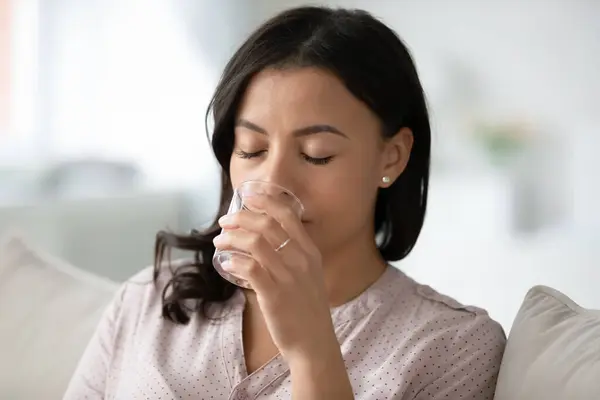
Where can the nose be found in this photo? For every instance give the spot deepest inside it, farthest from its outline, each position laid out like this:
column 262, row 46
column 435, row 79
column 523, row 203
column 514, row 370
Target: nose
column 280, row 174
column 278, row 170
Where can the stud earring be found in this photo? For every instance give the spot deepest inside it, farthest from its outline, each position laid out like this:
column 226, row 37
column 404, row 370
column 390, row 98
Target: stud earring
column 386, row 179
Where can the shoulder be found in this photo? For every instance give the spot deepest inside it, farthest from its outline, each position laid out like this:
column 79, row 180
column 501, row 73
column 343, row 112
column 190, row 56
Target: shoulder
column 421, row 341
column 456, row 335
column 140, row 296
column 462, row 328
column 462, row 323
column 466, row 344
column 437, row 322
column 427, row 306
column 438, row 345
column 142, row 287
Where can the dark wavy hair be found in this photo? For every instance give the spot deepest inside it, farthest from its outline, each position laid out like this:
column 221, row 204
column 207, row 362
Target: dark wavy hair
column 376, row 67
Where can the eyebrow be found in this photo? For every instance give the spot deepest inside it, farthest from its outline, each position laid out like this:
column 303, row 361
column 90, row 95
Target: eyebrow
column 305, row 131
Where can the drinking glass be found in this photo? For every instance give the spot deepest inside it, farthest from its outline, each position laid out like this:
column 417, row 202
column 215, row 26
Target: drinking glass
column 246, row 189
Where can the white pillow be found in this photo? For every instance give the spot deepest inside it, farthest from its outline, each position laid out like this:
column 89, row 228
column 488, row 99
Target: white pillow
column 553, row 350
column 48, row 312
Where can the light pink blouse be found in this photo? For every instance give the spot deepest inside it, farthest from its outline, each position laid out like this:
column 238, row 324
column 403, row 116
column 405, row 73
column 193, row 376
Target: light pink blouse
column 399, row 339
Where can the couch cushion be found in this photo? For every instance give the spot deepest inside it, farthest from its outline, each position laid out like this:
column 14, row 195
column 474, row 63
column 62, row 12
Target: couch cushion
column 553, row 350
column 48, row 312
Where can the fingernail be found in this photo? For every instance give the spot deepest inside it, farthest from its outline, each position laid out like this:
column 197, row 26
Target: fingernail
column 226, row 265
column 218, row 238
column 225, row 219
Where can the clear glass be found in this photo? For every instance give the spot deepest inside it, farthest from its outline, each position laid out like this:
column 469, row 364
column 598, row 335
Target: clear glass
column 252, row 188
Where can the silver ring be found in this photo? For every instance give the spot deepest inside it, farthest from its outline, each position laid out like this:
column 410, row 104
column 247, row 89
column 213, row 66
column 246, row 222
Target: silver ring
column 282, row 245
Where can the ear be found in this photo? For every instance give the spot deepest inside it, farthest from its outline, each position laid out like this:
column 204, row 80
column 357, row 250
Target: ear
column 395, row 156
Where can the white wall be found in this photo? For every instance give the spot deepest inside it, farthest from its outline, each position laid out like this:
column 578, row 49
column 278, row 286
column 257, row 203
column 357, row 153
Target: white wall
column 118, row 79
column 538, row 56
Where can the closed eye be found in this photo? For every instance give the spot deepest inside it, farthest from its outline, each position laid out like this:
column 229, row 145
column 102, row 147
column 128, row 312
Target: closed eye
column 244, row 154
column 317, row 161
column 313, row 160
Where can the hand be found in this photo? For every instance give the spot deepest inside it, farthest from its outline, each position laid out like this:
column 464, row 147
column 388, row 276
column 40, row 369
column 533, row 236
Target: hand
column 289, row 283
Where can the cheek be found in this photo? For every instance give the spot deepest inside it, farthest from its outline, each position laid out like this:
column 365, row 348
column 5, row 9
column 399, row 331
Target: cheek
column 235, row 172
column 344, row 195
column 239, row 170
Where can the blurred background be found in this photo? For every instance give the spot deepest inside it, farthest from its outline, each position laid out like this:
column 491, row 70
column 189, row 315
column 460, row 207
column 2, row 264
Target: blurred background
column 103, row 142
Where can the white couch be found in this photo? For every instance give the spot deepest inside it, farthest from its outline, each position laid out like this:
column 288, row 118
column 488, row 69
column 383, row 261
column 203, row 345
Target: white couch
column 48, row 312
column 49, row 309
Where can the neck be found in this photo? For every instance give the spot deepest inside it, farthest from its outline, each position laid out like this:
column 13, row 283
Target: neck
column 351, row 269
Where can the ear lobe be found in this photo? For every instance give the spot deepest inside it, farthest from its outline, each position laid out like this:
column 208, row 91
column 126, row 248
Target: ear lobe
column 398, row 149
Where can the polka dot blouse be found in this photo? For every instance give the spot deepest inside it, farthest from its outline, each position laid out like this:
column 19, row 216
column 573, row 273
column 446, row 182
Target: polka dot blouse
column 399, row 339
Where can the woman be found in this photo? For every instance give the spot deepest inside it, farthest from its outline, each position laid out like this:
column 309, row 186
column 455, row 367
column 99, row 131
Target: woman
column 327, row 103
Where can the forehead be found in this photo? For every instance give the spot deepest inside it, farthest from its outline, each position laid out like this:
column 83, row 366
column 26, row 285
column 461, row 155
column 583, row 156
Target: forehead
column 300, row 96
column 296, row 83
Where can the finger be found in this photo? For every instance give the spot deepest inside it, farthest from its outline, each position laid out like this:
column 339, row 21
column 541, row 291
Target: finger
column 251, row 243
column 257, row 247
column 250, row 270
column 285, row 215
column 263, row 224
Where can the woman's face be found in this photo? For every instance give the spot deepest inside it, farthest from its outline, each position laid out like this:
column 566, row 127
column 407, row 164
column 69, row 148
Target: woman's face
column 303, row 130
